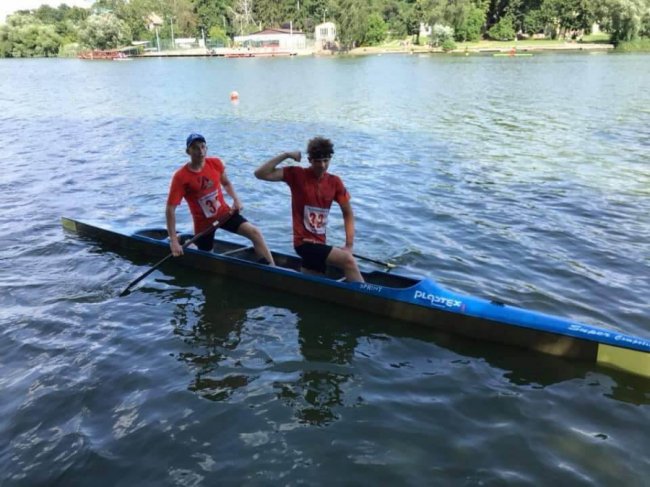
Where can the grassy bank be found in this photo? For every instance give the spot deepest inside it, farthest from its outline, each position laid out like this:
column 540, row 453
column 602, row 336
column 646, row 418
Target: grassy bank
column 640, row 45
column 403, row 46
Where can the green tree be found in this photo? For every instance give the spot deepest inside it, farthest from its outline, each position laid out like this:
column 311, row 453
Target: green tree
column 351, row 17
column 375, row 30
column 105, row 31
column 504, row 30
column 467, row 19
column 34, row 40
column 218, row 36
column 626, row 20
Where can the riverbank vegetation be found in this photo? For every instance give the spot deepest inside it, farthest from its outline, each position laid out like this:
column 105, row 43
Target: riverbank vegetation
column 61, row 31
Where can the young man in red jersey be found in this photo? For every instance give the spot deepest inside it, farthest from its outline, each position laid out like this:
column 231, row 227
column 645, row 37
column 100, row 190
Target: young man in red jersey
column 200, row 182
column 313, row 190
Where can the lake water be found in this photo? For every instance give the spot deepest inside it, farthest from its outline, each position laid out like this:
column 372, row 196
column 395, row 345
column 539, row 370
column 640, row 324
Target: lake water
column 522, row 179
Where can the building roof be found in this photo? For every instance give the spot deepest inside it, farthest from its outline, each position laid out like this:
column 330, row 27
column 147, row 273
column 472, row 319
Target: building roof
column 266, row 32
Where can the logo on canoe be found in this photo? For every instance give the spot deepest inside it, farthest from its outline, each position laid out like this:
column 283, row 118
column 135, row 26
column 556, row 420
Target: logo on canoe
column 436, row 300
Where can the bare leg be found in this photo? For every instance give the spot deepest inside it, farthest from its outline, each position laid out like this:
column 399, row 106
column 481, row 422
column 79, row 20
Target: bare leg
column 346, row 261
column 253, row 234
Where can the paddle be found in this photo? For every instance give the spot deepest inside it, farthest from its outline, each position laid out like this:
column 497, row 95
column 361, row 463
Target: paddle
column 388, row 265
column 214, row 225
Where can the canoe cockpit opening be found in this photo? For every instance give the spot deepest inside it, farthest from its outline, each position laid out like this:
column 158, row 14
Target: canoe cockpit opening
column 389, row 280
column 155, row 233
column 243, row 252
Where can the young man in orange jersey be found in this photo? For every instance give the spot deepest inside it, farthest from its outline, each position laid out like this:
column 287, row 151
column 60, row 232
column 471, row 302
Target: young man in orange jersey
column 199, row 181
column 313, row 190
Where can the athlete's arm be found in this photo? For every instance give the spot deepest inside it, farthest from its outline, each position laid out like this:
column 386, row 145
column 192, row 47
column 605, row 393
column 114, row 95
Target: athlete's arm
column 348, row 222
column 269, row 171
column 230, row 190
column 170, row 217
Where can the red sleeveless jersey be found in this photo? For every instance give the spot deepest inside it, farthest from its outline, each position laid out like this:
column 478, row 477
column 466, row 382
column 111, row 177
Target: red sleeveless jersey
column 311, row 200
column 202, row 191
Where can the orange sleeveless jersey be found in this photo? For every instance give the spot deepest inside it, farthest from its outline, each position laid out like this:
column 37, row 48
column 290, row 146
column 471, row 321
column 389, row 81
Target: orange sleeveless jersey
column 202, row 191
column 311, row 200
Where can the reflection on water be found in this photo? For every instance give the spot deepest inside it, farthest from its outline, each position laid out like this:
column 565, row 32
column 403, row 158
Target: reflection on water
column 291, row 348
column 292, row 351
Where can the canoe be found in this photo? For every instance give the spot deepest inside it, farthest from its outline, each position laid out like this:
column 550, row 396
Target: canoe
column 417, row 300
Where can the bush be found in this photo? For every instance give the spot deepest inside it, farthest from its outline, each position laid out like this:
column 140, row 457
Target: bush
column 448, row 45
column 638, row 45
column 69, row 50
column 440, row 34
column 375, row 31
column 503, row 30
column 470, row 28
column 218, row 36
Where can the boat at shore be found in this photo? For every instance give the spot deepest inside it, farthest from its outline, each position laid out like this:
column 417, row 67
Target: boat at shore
column 123, row 54
column 406, row 298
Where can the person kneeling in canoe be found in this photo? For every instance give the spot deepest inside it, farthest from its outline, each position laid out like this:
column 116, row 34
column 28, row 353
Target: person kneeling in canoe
column 313, row 190
column 199, row 181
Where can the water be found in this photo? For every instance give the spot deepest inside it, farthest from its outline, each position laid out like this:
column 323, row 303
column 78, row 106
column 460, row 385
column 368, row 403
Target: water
column 526, row 180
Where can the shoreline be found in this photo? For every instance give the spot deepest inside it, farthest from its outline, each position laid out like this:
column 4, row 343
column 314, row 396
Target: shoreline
column 520, row 48
column 376, row 50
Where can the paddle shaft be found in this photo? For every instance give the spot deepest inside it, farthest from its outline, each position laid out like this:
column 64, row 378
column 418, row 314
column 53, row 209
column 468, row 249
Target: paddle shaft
column 214, row 225
column 388, row 265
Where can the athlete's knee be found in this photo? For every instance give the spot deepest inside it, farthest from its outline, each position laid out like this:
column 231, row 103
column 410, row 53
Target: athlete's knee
column 348, row 261
column 254, row 233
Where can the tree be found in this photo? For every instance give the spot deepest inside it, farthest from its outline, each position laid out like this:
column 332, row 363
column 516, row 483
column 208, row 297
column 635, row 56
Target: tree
column 441, row 34
column 626, row 20
column 352, row 19
column 375, row 30
column 503, row 30
column 105, row 31
column 33, row 40
column 467, row 19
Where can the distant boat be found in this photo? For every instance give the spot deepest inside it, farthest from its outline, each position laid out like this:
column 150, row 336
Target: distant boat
column 122, row 54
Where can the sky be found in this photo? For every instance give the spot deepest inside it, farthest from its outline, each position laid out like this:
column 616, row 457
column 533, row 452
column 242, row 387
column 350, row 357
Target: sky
column 10, row 6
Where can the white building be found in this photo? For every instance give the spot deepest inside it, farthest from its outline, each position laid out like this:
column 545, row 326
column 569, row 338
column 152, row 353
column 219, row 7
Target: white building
column 325, row 34
column 286, row 39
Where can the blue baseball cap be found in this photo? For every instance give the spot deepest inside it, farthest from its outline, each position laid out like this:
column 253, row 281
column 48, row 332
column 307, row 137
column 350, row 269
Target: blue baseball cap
column 193, row 137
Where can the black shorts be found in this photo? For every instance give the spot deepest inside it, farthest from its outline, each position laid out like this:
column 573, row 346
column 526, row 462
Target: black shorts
column 232, row 224
column 314, row 256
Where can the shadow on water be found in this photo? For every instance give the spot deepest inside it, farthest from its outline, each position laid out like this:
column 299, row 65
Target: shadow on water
column 302, row 351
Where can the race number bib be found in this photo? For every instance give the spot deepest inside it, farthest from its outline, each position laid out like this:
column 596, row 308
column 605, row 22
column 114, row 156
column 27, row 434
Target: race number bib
column 209, row 204
column 316, row 219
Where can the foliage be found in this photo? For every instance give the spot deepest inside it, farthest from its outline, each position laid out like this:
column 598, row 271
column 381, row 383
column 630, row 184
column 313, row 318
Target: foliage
column 638, row 45
column 351, row 17
column 104, row 31
column 376, row 30
column 627, row 19
column 504, row 30
column 448, row 45
column 25, row 36
column 441, row 34
column 69, row 50
column 467, row 17
column 218, row 35
column 46, row 30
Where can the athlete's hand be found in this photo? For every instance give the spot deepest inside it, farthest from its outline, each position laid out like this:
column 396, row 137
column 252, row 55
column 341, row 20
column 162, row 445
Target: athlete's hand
column 237, row 206
column 295, row 155
column 176, row 248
